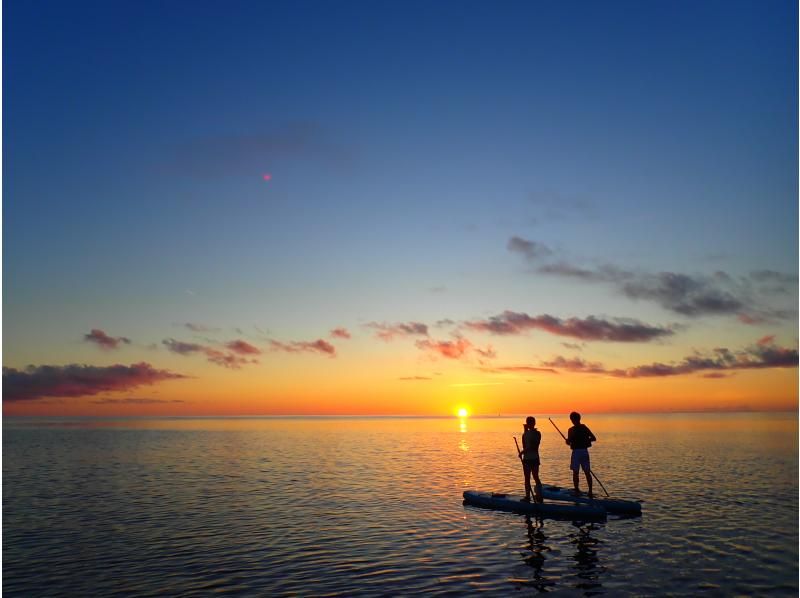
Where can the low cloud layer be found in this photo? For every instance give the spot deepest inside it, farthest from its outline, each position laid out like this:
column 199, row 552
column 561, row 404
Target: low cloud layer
column 588, row 329
column 38, row 382
column 318, row 346
column 242, row 348
column 341, row 333
column 102, row 340
column 389, row 332
column 234, row 358
column 455, row 349
column 134, row 401
column 749, row 297
column 762, row 355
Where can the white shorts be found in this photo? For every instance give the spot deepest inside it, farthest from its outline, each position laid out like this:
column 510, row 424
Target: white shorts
column 580, row 458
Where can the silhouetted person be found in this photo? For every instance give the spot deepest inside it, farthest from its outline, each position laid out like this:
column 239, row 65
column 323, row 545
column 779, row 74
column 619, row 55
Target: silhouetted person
column 531, row 438
column 580, row 438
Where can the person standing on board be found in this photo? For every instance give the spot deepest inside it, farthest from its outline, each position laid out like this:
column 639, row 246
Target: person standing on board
column 531, row 438
column 580, row 438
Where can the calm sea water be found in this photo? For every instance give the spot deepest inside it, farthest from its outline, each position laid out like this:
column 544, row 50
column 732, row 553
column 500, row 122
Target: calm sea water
column 373, row 506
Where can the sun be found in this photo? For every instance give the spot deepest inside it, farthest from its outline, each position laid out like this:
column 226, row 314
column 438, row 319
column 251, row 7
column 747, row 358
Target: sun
column 462, row 412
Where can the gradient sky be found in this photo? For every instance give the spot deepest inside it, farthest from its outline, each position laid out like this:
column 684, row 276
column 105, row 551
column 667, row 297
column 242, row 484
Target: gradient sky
column 516, row 207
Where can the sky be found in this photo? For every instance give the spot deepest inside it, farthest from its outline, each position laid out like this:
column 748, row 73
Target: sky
column 399, row 207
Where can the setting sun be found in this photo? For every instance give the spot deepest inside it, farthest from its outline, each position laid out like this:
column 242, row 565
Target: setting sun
column 462, row 412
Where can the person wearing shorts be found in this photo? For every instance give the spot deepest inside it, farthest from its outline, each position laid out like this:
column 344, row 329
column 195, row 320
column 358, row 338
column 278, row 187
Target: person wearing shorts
column 580, row 438
column 531, row 438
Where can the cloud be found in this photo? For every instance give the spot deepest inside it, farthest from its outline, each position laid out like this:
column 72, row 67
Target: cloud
column 410, row 378
column 758, row 356
column 134, row 401
column 226, row 360
column 340, row 333
column 104, row 341
column 624, row 330
column 317, row 346
column 388, row 332
column 527, row 369
column 243, row 348
column 687, row 295
column 232, row 360
column 182, row 348
column 749, row 297
column 246, row 155
column 74, row 380
column 200, row 327
column 575, row 364
column 530, row 249
column 574, row 346
column 454, row 349
column 487, row 353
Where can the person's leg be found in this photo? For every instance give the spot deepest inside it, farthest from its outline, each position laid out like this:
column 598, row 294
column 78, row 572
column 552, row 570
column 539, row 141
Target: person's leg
column 587, row 471
column 527, row 469
column 538, row 483
column 575, row 469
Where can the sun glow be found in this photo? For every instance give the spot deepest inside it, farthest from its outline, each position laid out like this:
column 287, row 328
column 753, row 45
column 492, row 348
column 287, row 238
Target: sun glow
column 462, row 412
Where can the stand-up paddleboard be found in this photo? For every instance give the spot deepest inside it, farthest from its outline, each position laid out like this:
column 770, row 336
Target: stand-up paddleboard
column 515, row 504
column 612, row 505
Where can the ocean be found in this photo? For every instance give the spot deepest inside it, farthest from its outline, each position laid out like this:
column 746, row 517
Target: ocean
column 352, row 506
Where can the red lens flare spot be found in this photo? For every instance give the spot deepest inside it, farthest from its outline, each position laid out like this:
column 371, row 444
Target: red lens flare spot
column 266, row 176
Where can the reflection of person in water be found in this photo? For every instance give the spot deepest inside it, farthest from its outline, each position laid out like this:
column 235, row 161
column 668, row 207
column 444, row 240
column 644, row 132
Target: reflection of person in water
column 537, row 558
column 586, row 559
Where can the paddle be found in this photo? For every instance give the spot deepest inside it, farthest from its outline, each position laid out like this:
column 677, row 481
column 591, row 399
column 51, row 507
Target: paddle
column 590, row 470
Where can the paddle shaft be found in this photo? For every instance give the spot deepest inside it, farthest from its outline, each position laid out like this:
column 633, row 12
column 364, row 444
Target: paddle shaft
column 519, row 452
column 590, row 470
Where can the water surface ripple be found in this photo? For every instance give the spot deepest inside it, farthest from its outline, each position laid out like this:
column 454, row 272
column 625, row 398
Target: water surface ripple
column 372, row 506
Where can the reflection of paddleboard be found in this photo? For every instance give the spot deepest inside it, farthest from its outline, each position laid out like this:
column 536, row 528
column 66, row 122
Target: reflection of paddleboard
column 612, row 505
column 515, row 504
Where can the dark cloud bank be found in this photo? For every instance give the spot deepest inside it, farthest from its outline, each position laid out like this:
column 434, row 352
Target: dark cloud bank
column 37, row 382
column 763, row 355
column 747, row 297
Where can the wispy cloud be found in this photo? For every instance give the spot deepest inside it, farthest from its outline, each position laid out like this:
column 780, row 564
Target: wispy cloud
column 529, row 249
column 749, row 297
column 102, row 340
column 233, row 359
column 525, row 369
column 227, row 360
column 194, row 327
column 758, row 356
column 389, row 332
column 624, row 330
column 242, row 347
column 342, row 333
column 74, row 380
column 134, row 401
column 412, row 378
column 318, row 346
column 182, row 348
column 246, row 155
column 455, row 349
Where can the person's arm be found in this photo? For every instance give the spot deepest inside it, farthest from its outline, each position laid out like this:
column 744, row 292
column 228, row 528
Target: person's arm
column 592, row 437
column 569, row 435
column 537, row 440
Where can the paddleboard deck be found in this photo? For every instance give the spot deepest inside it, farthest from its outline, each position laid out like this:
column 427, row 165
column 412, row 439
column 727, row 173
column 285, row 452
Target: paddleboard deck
column 612, row 505
column 515, row 504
